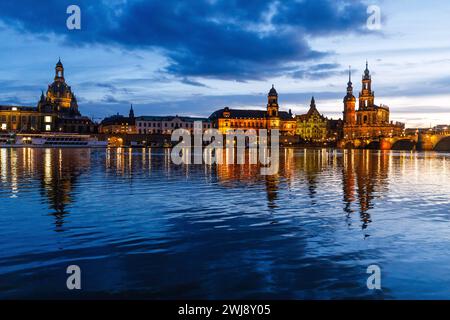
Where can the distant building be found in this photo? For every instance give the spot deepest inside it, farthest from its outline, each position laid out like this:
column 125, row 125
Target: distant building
column 442, row 128
column 24, row 119
column 56, row 111
column 119, row 124
column 166, row 124
column 370, row 120
column 229, row 119
column 312, row 126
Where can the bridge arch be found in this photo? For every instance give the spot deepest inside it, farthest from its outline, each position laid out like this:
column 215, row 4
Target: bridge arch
column 443, row 144
column 373, row 145
column 404, row 144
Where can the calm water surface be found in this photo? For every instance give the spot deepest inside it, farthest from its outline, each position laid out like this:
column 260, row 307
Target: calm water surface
column 141, row 227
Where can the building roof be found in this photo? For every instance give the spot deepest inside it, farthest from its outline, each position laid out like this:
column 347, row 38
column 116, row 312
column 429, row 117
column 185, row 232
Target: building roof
column 170, row 118
column 248, row 114
column 19, row 108
column 273, row 92
column 115, row 119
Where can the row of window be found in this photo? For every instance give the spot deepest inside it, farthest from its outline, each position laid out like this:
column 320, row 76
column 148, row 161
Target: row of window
column 24, row 119
column 172, row 125
column 245, row 124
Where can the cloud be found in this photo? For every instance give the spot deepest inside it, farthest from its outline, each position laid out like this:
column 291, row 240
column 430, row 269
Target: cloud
column 222, row 39
column 318, row 71
column 193, row 83
column 111, row 99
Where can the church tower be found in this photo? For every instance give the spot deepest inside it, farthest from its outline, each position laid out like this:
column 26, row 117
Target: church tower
column 366, row 96
column 349, row 102
column 59, row 94
column 59, row 71
column 272, row 109
column 272, row 104
column 131, row 115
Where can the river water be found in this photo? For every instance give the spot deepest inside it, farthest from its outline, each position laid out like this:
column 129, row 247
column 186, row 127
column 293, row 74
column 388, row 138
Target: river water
column 139, row 226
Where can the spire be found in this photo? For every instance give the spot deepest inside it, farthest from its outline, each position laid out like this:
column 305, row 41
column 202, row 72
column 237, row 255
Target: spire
column 349, row 84
column 367, row 72
column 131, row 114
column 312, row 108
column 349, row 74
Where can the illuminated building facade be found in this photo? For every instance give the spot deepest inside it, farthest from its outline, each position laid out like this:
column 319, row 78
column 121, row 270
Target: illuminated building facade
column 370, row 120
column 271, row 118
column 57, row 111
column 312, row 126
column 24, row 119
column 166, row 124
column 119, row 124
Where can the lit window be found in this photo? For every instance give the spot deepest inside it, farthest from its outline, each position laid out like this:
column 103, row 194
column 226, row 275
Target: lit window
column 48, row 127
column 48, row 119
column 3, row 126
column 14, row 109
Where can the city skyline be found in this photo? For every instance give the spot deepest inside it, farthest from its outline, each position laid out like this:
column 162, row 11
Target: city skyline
column 109, row 70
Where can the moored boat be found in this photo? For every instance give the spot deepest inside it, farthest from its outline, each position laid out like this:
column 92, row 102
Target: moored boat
column 52, row 140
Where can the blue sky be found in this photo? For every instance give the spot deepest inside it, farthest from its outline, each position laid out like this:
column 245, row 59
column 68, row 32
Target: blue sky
column 193, row 57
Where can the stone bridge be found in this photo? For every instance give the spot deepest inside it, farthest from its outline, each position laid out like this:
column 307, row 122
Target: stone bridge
column 421, row 141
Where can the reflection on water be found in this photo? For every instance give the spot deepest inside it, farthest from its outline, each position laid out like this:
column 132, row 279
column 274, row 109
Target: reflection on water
column 140, row 226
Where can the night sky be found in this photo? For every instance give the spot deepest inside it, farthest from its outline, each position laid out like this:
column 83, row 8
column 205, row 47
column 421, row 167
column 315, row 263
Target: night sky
column 193, row 57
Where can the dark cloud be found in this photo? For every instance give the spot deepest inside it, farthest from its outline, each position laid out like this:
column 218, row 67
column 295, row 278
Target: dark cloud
column 319, row 71
column 111, row 99
column 224, row 39
column 192, row 82
column 111, row 88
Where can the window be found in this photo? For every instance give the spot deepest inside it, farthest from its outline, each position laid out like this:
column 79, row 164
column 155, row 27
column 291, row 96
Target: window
column 13, row 118
column 48, row 119
column 48, row 127
column 4, row 127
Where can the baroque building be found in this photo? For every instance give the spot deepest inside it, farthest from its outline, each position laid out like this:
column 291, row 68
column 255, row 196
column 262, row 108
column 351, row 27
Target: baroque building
column 369, row 120
column 119, row 124
column 167, row 124
column 312, row 126
column 272, row 118
column 56, row 111
column 62, row 103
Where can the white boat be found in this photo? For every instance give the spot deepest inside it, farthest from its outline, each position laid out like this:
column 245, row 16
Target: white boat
column 7, row 139
column 53, row 140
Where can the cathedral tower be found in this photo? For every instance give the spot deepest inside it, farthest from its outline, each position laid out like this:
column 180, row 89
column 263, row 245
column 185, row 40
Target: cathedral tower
column 272, row 104
column 272, row 109
column 59, row 71
column 349, row 102
column 366, row 96
column 59, row 95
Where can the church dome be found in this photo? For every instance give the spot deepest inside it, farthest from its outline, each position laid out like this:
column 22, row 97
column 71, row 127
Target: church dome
column 273, row 92
column 59, row 89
